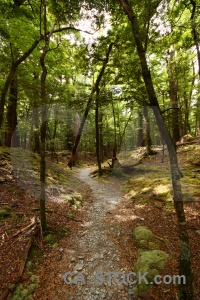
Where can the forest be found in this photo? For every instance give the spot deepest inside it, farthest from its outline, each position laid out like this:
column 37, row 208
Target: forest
column 99, row 149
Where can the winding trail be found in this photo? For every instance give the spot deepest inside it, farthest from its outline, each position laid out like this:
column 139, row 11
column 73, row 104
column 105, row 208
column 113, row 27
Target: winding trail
column 98, row 246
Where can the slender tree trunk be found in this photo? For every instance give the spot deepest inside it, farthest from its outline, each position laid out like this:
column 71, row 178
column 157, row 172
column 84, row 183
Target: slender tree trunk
column 148, row 141
column 43, row 140
column 124, row 130
column 36, row 132
column 52, row 141
column 195, row 33
column 44, row 122
column 94, row 90
column 185, row 290
column 12, row 137
column 140, row 133
column 196, row 42
column 97, row 132
column 101, row 147
column 173, row 94
column 114, row 156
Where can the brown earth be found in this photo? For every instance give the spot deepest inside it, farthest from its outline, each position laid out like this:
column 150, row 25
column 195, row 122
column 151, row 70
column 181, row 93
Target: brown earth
column 112, row 208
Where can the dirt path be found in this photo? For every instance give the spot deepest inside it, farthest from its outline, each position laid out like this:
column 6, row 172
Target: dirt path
column 98, row 247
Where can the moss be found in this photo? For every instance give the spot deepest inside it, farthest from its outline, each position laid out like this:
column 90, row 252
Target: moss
column 146, row 190
column 25, row 293
column 142, row 233
column 150, row 259
column 50, row 239
column 78, row 204
column 143, row 202
column 30, row 265
column 152, row 245
column 4, row 214
column 71, row 201
column 151, row 262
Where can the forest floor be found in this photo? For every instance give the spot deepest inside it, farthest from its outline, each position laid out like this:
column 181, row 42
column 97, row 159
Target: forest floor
column 90, row 225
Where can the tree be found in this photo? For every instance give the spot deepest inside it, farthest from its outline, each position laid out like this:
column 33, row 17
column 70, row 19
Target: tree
column 185, row 291
column 94, row 90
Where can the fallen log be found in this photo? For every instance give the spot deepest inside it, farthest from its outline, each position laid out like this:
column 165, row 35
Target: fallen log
column 33, row 223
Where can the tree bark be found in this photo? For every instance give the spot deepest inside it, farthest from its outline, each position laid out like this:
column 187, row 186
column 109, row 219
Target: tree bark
column 148, row 141
column 140, row 133
column 44, row 122
column 43, row 140
column 11, row 116
column 195, row 33
column 185, row 291
column 196, row 42
column 114, row 155
column 101, row 147
column 71, row 162
column 97, row 132
column 173, row 94
column 124, row 130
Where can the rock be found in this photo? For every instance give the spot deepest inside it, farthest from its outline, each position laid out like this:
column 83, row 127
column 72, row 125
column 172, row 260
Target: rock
column 78, row 267
column 72, row 259
column 142, row 233
column 81, row 257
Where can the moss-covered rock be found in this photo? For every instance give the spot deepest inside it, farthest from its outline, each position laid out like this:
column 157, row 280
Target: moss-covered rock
column 150, row 259
column 149, row 262
column 142, row 233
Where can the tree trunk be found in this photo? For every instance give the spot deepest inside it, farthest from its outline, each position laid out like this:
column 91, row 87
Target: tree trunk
column 185, row 290
column 195, row 33
column 97, row 132
column 124, row 130
column 196, row 42
column 148, row 141
column 114, row 155
column 173, row 94
column 94, row 90
column 43, row 140
column 12, row 137
column 44, row 122
column 101, row 147
column 140, row 133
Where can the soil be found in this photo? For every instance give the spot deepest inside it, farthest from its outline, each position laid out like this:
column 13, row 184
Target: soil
column 103, row 240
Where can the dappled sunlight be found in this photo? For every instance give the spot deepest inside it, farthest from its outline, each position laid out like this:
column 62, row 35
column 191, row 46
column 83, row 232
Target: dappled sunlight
column 125, row 218
column 161, row 189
